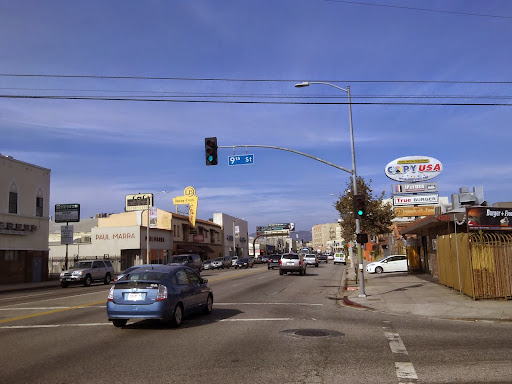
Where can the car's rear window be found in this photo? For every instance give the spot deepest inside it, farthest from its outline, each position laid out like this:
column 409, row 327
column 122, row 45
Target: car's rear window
column 291, row 257
column 179, row 259
column 143, row 276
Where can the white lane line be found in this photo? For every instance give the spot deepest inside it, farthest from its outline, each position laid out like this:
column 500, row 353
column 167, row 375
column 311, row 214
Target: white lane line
column 236, row 285
column 395, row 343
column 48, row 308
column 270, row 319
column 51, row 325
column 405, row 371
column 305, row 304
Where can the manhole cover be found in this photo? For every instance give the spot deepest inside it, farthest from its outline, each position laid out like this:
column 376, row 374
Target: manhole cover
column 312, row 333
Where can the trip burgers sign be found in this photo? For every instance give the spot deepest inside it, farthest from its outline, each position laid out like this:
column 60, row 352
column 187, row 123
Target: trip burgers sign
column 413, row 168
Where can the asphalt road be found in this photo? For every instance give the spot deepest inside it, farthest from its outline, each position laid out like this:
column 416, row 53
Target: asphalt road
column 264, row 328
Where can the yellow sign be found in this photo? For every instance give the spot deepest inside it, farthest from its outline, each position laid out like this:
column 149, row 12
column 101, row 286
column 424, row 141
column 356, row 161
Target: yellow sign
column 191, row 199
column 426, row 210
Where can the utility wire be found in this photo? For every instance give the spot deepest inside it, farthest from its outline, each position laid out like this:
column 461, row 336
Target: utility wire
column 419, row 9
column 246, row 80
column 241, row 101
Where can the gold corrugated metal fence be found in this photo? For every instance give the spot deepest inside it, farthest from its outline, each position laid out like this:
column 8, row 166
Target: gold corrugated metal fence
column 478, row 264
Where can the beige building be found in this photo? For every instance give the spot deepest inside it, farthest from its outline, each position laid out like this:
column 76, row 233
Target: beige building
column 123, row 238
column 24, row 217
column 327, row 237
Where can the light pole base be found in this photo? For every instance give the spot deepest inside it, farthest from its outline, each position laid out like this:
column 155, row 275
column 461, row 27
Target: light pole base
column 363, row 295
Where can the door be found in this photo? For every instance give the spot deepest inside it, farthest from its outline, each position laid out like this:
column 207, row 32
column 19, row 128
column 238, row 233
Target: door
column 37, row 269
column 187, row 290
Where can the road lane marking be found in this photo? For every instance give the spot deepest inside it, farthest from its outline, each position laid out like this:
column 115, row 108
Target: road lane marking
column 404, row 368
column 52, row 325
column 269, row 319
column 46, row 308
column 49, row 312
column 306, row 304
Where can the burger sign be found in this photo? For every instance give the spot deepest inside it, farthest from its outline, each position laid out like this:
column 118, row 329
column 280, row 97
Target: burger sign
column 413, row 168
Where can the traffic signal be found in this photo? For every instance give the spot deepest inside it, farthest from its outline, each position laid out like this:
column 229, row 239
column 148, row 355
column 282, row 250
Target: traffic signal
column 210, row 148
column 359, row 206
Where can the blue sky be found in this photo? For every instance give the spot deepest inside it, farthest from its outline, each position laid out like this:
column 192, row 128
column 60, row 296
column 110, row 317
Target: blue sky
column 99, row 151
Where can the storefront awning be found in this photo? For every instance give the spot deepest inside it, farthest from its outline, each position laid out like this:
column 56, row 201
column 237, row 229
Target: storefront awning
column 206, row 248
column 189, row 248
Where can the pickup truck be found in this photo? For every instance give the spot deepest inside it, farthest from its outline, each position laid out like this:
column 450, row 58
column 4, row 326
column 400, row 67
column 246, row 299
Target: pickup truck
column 311, row 259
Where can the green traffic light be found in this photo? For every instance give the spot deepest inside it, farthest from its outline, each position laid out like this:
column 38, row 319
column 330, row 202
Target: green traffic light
column 360, row 213
column 210, row 158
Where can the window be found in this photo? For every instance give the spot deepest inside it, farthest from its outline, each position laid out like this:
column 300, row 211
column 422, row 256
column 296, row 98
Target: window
column 39, row 206
column 182, row 277
column 193, row 278
column 13, row 202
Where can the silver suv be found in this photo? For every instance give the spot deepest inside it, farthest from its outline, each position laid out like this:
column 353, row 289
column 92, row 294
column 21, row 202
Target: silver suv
column 292, row 262
column 86, row 272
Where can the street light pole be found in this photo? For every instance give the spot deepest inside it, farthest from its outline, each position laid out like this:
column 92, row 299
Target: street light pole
column 354, row 176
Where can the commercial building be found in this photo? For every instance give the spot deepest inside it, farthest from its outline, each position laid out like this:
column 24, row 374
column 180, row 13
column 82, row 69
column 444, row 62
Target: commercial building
column 327, row 237
column 24, row 217
column 235, row 235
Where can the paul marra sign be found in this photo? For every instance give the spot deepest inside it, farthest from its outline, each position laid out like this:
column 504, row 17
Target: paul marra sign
column 413, row 168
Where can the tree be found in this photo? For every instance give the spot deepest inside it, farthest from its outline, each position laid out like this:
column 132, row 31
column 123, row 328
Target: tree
column 378, row 216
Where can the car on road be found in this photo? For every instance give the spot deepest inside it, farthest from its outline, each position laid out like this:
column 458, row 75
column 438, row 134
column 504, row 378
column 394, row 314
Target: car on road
column 207, row 264
column 292, row 262
column 164, row 292
column 218, row 263
column 273, row 261
column 87, row 271
column 392, row 263
column 322, row 258
column 226, row 262
column 245, row 262
column 234, row 259
column 128, row 270
column 264, row 259
column 191, row 260
column 340, row 257
column 311, row 259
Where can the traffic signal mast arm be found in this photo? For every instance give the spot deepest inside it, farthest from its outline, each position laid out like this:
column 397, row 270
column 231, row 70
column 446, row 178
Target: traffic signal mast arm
column 290, row 150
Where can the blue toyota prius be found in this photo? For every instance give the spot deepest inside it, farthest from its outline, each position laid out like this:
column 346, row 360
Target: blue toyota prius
column 165, row 292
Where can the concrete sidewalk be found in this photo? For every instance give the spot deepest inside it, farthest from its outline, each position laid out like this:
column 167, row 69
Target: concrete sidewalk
column 4, row 288
column 419, row 295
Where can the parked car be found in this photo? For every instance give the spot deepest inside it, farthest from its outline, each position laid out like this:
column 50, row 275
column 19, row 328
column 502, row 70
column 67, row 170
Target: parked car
column 165, row 292
column 340, row 257
column 244, row 263
column 264, row 259
column 226, row 262
column 207, row 264
column 234, row 259
column 392, row 263
column 218, row 263
column 292, row 262
column 322, row 258
column 85, row 272
column 190, row 260
column 330, row 257
column 273, row 261
column 311, row 259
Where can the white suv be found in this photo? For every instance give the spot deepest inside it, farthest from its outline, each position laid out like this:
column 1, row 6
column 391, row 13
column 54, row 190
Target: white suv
column 311, row 259
column 86, row 272
column 292, row 262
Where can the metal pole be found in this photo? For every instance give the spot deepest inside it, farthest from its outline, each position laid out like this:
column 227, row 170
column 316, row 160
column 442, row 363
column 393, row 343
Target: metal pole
column 66, row 263
column 147, row 235
column 362, row 292
column 234, row 243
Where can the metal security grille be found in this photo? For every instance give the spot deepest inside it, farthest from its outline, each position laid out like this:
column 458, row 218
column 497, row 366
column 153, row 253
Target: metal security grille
column 477, row 264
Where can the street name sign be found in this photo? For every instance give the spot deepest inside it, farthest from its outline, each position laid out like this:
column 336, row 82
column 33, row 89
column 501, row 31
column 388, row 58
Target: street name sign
column 241, row 160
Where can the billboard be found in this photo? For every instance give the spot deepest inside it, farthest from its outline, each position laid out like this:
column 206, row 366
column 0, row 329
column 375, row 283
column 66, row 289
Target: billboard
column 67, row 213
column 138, row 202
column 489, row 218
column 414, row 188
column 425, row 210
column 432, row 198
column 413, row 168
column 278, row 227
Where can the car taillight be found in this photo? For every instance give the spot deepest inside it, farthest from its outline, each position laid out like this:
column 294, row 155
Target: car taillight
column 300, row 263
column 280, row 262
column 162, row 293
column 110, row 296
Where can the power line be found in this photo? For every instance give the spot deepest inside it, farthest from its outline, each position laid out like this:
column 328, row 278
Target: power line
column 242, row 101
column 419, row 9
column 244, row 80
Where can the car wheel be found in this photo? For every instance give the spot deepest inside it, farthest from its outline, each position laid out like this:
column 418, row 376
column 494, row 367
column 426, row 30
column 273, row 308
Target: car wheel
column 280, row 272
column 301, row 272
column 119, row 323
column 316, row 265
column 87, row 281
column 64, row 285
column 268, row 267
column 209, row 305
column 379, row 270
column 107, row 279
column 177, row 316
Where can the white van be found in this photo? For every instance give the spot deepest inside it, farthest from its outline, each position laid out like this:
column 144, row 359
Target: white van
column 340, row 258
